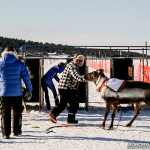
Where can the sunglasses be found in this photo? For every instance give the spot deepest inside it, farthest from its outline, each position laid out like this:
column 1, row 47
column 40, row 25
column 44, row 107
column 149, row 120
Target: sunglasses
column 80, row 60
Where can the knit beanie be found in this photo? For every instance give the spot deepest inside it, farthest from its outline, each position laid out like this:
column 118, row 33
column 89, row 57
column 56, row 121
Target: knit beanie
column 78, row 57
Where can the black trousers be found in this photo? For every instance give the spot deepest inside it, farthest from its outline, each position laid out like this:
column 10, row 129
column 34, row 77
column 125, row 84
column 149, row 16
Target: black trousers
column 67, row 96
column 8, row 103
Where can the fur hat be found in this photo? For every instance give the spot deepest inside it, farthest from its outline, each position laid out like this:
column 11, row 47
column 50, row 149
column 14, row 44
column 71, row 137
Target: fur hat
column 9, row 50
column 78, row 57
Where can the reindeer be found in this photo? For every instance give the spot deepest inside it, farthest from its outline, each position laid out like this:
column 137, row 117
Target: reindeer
column 24, row 87
column 133, row 92
column 23, row 84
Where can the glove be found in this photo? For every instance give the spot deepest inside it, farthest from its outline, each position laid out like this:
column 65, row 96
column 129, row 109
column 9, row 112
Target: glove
column 27, row 95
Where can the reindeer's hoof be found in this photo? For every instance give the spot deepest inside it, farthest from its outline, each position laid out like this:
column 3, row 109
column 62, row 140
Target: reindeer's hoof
column 109, row 128
column 101, row 126
column 127, row 125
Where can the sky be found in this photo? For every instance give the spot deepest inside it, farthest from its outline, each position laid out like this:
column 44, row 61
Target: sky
column 77, row 22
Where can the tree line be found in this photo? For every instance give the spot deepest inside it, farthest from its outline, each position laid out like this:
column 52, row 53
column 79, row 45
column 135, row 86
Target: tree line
column 40, row 48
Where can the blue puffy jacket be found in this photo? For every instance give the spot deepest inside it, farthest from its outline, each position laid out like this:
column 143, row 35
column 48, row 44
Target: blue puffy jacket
column 11, row 73
column 52, row 73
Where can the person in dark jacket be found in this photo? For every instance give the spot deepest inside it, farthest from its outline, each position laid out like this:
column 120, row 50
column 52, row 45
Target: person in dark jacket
column 47, row 82
column 11, row 73
column 67, row 89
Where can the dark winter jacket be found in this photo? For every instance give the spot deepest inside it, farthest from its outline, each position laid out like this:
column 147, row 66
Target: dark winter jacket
column 52, row 73
column 70, row 77
column 11, row 73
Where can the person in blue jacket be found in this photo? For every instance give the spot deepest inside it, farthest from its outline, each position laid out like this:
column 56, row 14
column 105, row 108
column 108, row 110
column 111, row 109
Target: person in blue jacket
column 47, row 82
column 11, row 73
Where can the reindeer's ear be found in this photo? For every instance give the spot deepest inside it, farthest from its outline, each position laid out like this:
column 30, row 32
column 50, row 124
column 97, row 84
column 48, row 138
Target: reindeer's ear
column 100, row 71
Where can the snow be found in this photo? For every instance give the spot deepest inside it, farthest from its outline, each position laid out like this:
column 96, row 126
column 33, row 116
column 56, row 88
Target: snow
column 85, row 135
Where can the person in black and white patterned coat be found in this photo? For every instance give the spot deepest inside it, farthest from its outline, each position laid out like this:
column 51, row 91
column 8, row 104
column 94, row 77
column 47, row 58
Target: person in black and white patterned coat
column 67, row 89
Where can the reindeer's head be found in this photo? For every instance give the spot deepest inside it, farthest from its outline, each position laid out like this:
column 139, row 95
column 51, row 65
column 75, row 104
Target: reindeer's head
column 93, row 76
column 30, row 72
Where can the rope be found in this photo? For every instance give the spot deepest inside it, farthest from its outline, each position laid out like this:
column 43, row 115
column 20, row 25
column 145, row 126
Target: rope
column 120, row 111
column 65, row 126
column 120, row 117
column 103, row 84
column 77, row 85
column 26, row 114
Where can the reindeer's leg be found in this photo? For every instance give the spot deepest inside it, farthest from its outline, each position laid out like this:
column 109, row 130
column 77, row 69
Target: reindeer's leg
column 114, row 107
column 107, row 110
column 25, row 106
column 138, row 111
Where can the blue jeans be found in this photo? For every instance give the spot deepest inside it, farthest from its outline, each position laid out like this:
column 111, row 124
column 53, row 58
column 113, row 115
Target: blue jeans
column 45, row 86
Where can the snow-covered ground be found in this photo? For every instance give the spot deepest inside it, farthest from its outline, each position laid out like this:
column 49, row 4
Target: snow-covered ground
column 85, row 135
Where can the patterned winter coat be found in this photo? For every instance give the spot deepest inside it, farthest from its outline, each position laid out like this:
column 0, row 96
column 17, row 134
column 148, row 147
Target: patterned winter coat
column 70, row 77
column 11, row 73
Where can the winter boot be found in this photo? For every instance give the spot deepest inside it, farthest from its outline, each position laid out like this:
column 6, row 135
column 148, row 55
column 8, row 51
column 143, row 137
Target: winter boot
column 52, row 117
column 71, row 119
column 18, row 134
column 72, row 122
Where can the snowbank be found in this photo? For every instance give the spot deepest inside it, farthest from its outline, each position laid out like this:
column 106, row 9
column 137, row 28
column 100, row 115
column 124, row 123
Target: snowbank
column 83, row 136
